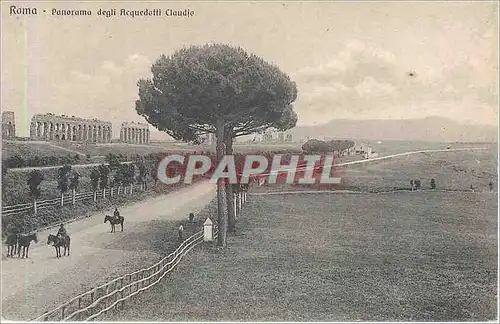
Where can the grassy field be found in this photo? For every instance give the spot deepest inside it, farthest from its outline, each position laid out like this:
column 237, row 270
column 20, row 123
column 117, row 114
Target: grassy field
column 452, row 170
column 386, row 257
column 395, row 256
column 29, row 150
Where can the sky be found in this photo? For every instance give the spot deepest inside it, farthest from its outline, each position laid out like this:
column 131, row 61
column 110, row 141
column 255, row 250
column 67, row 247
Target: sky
column 349, row 59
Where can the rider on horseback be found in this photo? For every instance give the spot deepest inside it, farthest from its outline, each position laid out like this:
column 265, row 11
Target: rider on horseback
column 116, row 214
column 61, row 233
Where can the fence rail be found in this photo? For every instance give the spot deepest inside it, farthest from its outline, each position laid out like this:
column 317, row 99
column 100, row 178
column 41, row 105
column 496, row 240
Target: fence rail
column 69, row 199
column 99, row 300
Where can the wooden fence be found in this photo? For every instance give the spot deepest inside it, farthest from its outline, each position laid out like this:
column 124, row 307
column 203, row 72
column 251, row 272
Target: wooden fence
column 69, row 198
column 115, row 293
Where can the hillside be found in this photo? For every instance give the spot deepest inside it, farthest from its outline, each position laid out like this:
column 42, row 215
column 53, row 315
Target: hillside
column 426, row 129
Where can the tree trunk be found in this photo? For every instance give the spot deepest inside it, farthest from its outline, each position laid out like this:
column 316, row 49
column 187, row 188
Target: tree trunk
column 131, row 186
column 221, row 215
column 35, row 209
column 231, row 221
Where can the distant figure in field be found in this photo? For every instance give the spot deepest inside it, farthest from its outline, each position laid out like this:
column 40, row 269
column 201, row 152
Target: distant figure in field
column 418, row 185
column 491, row 185
column 433, row 183
column 181, row 231
column 411, row 185
column 191, row 217
column 472, row 188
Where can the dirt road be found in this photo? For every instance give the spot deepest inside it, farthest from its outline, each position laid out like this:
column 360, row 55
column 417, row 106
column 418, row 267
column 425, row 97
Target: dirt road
column 42, row 282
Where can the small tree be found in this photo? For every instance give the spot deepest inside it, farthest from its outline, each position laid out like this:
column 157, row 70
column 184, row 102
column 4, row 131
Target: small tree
column 4, row 176
column 34, row 180
column 130, row 175
column 433, row 183
column 74, row 182
column 154, row 173
column 118, row 177
column 141, row 177
column 63, row 174
column 94, row 180
column 114, row 161
column 103, row 176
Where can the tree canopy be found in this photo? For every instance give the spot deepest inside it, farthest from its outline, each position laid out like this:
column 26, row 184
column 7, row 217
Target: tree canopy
column 63, row 175
column 34, row 180
column 315, row 146
column 197, row 88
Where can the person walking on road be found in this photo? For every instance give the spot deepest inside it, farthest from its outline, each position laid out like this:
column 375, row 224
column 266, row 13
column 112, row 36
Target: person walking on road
column 181, row 231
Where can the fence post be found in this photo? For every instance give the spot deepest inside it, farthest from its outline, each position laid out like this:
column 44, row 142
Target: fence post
column 34, row 206
column 63, row 311
column 74, row 196
column 111, row 191
column 131, row 187
column 208, row 233
column 95, row 196
column 121, row 293
column 239, row 199
column 62, row 199
column 103, row 193
column 235, row 204
column 106, row 299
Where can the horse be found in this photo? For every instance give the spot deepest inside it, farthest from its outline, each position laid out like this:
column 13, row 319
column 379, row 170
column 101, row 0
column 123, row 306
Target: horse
column 24, row 241
column 114, row 221
column 11, row 242
column 58, row 242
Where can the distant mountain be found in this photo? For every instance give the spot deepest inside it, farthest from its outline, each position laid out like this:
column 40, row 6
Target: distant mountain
column 425, row 129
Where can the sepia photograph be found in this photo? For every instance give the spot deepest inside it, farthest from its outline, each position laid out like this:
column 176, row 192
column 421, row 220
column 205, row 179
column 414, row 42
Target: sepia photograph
column 244, row 161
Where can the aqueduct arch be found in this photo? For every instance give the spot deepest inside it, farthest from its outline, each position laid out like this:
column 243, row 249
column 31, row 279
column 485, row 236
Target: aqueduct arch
column 49, row 127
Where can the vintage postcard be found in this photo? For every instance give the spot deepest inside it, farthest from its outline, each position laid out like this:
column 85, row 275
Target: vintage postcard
column 273, row 161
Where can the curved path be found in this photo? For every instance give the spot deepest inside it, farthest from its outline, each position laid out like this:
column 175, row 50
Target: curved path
column 41, row 282
column 378, row 159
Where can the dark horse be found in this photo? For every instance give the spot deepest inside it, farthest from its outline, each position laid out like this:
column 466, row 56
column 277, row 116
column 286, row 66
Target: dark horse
column 24, row 241
column 12, row 241
column 114, row 221
column 58, row 242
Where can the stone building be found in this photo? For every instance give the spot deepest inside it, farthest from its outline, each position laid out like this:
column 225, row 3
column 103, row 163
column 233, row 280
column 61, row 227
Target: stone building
column 8, row 124
column 269, row 136
column 49, row 127
column 210, row 139
column 134, row 133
